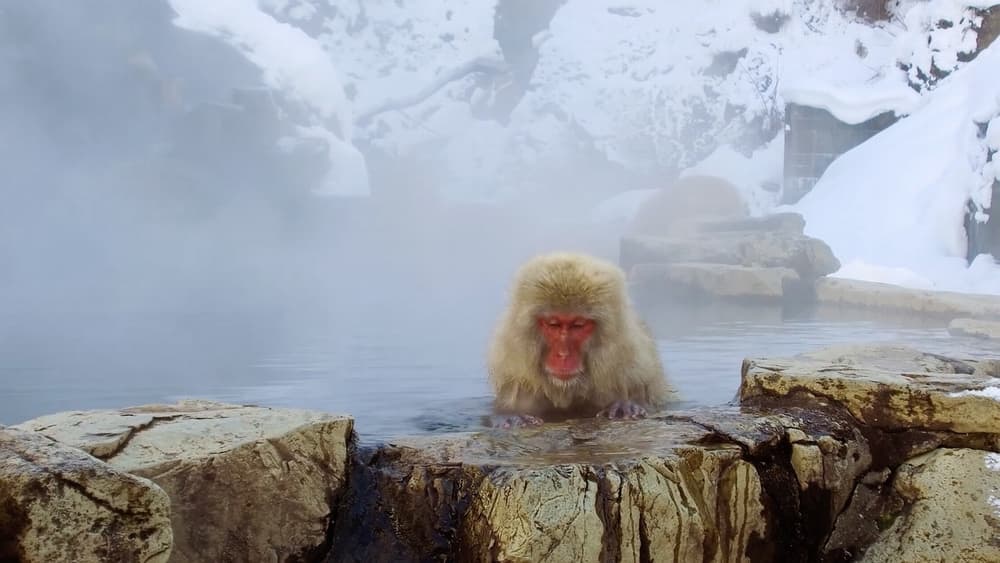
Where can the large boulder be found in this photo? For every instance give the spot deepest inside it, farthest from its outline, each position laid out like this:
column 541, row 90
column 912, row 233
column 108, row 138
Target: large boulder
column 901, row 405
column 949, row 510
column 584, row 491
column 58, row 503
column 245, row 483
column 708, row 484
column 810, row 258
column 892, row 387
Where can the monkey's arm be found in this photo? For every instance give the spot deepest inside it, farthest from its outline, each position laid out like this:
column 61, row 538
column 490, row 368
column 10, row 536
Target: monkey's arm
column 623, row 409
column 514, row 407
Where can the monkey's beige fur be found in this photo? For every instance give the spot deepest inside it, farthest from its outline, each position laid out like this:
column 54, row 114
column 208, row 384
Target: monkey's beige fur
column 620, row 363
column 677, row 209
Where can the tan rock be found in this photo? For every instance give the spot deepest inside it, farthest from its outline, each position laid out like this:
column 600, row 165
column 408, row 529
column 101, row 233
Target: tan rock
column 589, row 490
column 714, row 280
column 975, row 328
column 245, row 483
column 951, row 510
column 885, row 386
column 809, row 257
column 59, row 504
column 882, row 296
column 786, row 222
column 807, row 461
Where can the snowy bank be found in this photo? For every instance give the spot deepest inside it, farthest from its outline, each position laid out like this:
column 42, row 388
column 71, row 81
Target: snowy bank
column 894, row 206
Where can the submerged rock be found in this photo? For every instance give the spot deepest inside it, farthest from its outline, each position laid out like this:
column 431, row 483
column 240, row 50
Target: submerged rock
column 245, row 483
column 59, row 504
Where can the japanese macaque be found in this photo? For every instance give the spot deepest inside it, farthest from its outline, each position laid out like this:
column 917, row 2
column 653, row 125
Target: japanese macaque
column 571, row 345
column 679, row 208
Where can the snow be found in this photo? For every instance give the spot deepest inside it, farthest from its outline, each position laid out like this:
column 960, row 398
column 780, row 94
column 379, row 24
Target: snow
column 936, row 44
column 990, row 392
column 846, row 68
column 895, row 204
column 756, row 176
column 861, row 270
column 291, row 61
column 295, row 64
column 993, row 461
column 642, row 81
column 635, row 77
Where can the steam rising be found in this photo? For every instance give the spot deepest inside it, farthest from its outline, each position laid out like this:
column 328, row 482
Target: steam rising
column 221, row 197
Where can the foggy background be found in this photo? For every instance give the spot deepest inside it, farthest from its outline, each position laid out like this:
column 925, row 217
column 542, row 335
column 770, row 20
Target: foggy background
column 320, row 204
column 156, row 242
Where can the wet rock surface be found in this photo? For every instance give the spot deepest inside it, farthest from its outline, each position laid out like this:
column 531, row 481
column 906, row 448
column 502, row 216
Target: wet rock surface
column 884, row 386
column 59, row 504
column 586, row 490
column 245, row 483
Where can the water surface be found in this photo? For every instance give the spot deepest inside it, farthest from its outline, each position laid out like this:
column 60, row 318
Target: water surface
column 417, row 370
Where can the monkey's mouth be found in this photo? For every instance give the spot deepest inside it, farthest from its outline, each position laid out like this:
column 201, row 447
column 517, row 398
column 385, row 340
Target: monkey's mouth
column 563, row 373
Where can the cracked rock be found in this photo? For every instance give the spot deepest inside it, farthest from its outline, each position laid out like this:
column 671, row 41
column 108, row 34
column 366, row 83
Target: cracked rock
column 245, row 483
column 951, row 509
column 58, row 503
column 884, row 386
column 537, row 494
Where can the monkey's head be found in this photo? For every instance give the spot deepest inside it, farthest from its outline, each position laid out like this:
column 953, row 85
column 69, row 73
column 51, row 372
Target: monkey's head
column 567, row 303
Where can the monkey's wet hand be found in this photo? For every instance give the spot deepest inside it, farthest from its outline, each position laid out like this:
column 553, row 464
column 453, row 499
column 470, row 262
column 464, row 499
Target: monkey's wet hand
column 515, row 421
column 627, row 410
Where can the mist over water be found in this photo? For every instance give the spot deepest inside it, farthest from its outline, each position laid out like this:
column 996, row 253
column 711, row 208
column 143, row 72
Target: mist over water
column 154, row 244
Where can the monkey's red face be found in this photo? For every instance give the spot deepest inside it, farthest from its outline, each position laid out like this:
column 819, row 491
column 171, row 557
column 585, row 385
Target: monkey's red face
column 565, row 338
